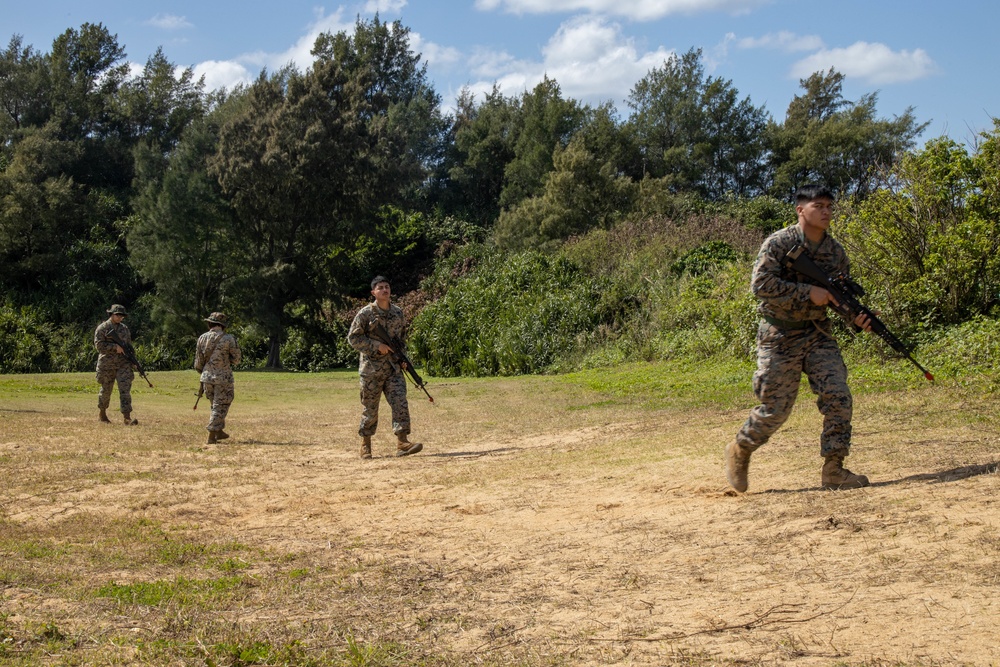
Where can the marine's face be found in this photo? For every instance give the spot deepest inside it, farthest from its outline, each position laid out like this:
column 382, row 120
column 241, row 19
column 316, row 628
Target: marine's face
column 815, row 216
column 117, row 317
column 382, row 293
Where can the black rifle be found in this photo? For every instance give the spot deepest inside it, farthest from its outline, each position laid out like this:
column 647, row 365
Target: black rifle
column 129, row 353
column 201, row 392
column 846, row 293
column 379, row 333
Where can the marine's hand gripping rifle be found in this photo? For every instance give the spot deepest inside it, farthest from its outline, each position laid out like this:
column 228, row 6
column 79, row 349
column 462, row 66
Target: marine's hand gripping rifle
column 129, row 353
column 846, row 292
column 379, row 333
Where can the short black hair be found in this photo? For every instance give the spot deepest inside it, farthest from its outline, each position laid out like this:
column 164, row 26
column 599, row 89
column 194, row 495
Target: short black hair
column 808, row 193
column 380, row 279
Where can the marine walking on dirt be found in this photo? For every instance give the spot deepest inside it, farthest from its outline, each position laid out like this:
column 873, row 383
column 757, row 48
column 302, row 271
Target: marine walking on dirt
column 113, row 342
column 215, row 355
column 795, row 337
column 379, row 369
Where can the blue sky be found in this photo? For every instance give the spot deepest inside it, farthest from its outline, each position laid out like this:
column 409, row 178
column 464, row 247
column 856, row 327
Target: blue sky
column 938, row 57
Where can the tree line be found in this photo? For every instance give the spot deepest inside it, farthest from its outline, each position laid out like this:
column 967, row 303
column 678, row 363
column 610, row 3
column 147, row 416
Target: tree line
column 277, row 200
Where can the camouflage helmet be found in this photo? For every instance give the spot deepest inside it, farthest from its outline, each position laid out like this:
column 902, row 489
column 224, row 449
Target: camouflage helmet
column 218, row 318
column 117, row 309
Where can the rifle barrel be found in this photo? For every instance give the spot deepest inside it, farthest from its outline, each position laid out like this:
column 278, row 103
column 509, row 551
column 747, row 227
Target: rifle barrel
column 850, row 306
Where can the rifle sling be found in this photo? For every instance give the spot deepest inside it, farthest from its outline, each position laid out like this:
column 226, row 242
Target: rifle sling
column 210, row 351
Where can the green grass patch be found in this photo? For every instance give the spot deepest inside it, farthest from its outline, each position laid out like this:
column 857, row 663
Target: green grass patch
column 713, row 383
column 180, row 590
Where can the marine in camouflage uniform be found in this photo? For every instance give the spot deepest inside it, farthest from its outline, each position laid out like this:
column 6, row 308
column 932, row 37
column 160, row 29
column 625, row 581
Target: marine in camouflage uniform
column 795, row 337
column 215, row 355
column 112, row 366
column 379, row 372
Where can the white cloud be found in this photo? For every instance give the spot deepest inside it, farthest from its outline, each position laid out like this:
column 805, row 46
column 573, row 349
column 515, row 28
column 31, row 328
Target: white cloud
column 634, row 9
column 434, row 54
column 782, row 41
column 222, row 74
column 589, row 57
column 244, row 68
column 299, row 53
column 169, row 22
column 384, row 6
column 873, row 63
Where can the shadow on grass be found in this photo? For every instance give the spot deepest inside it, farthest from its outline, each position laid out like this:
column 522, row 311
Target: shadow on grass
column 474, row 455
column 952, row 475
column 254, row 441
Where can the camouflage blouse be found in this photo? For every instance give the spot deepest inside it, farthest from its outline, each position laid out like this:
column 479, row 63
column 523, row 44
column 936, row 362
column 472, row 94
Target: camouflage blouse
column 108, row 355
column 783, row 292
column 360, row 336
column 218, row 368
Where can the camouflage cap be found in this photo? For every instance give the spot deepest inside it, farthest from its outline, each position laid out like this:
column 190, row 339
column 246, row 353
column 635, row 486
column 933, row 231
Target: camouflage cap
column 117, row 309
column 218, row 318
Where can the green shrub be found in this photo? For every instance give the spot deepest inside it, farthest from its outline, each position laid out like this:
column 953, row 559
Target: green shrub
column 765, row 214
column 928, row 248
column 71, row 349
column 514, row 314
column 970, row 348
column 705, row 257
column 24, row 337
column 321, row 346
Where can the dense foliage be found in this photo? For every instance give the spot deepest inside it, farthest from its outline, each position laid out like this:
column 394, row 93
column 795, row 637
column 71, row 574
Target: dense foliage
column 526, row 233
column 514, row 314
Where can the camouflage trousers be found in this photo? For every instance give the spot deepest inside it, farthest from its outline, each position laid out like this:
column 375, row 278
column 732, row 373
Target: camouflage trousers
column 783, row 355
column 107, row 377
column 391, row 383
column 221, row 395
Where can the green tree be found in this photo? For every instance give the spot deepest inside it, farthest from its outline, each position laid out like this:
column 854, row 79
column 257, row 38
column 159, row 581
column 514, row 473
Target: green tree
column 580, row 193
column 181, row 236
column 545, row 121
column 23, row 87
column 695, row 133
column 87, row 69
column 401, row 109
column 156, row 106
column 38, row 207
column 827, row 139
column 926, row 245
column 472, row 175
column 308, row 161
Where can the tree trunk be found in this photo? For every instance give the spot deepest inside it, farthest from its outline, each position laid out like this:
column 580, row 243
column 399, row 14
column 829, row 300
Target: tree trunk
column 274, row 353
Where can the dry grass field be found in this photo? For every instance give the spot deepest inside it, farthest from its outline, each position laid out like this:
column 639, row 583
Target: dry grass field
column 571, row 520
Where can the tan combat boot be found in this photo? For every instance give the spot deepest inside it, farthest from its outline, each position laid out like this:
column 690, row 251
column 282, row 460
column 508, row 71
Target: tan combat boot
column 404, row 447
column 213, row 437
column 221, row 435
column 836, row 476
column 104, row 416
column 737, row 465
column 366, row 447
column 128, row 419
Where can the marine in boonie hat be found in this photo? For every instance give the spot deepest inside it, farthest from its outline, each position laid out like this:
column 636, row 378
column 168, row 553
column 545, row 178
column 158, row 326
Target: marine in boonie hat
column 117, row 309
column 218, row 318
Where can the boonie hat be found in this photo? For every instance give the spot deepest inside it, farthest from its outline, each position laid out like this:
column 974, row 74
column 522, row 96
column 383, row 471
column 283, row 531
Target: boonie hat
column 117, row 309
column 218, row 318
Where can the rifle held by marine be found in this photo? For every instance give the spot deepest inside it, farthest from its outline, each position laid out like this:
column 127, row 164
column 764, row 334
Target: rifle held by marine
column 129, row 353
column 846, row 293
column 398, row 356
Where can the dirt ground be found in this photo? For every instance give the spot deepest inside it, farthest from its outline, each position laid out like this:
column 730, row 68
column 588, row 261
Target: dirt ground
column 541, row 525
